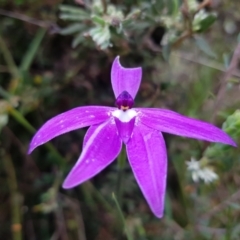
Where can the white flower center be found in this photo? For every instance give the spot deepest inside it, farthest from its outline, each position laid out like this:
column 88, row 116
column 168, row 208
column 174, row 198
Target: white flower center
column 124, row 116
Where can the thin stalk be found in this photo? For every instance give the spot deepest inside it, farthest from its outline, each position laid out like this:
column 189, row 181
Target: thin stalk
column 22, row 17
column 120, row 178
column 9, row 59
column 127, row 232
column 32, row 50
column 21, row 119
column 99, row 197
column 16, row 226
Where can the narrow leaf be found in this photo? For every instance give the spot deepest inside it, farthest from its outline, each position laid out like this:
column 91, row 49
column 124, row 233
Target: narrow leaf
column 204, row 46
column 32, row 50
column 73, row 28
column 73, row 17
column 73, row 10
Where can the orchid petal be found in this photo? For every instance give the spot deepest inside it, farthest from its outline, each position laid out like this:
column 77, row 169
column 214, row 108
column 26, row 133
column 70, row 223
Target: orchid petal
column 148, row 158
column 73, row 119
column 89, row 133
column 102, row 146
column 175, row 123
column 125, row 79
column 125, row 129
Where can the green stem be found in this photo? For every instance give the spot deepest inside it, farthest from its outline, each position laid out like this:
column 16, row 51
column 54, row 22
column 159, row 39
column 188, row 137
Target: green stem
column 89, row 186
column 9, row 59
column 21, row 119
column 121, row 165
column 32, row 50
column 128, row 234
column 15, row 198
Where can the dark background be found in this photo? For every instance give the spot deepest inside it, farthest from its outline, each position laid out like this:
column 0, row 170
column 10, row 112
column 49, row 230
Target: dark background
column 189, row 51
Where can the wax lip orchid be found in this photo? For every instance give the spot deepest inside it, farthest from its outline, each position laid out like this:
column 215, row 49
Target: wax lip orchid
column 139, row 128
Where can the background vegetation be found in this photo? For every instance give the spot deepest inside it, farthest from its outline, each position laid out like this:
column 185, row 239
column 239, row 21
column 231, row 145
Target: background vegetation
column 57, row 54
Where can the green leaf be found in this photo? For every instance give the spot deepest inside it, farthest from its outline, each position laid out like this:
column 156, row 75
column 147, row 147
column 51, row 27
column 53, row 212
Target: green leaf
column 204, row 46
column 32, row 50
column 173, row 7
column 205, row 23
column 73, row 10
column 166, row 50
column 73, row 28
column 101, row 36
column 222, row 152
column 78, row 39
column 98, row 20
column 73, row 17
column 226, row 60
column 133, row 14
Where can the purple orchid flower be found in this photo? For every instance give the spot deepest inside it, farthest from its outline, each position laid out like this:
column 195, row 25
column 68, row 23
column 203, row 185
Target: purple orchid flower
column 139, row 128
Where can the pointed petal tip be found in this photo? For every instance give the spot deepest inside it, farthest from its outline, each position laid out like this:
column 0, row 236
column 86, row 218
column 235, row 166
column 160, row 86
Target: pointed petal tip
column 177, row 124
column 67, row 185
column 117, row 61
column 30, row 148
column 233, row 143
column 226, row 139
column 158, row 214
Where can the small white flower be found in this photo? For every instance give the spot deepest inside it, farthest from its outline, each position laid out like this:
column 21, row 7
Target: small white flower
column 193, row 165
column 201, row 173
column 208, row 175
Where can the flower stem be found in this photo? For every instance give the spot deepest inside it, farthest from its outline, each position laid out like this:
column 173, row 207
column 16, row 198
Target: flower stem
column 120, row 178
column 127, row 232
column 15, row 198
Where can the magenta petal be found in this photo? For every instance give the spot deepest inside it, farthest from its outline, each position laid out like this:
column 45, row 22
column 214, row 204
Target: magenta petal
column 125, row 129
column 101, row 147
column 73, row 119
column 89, row 133
column 148, row 158
column 175, row 123
column 125, row 79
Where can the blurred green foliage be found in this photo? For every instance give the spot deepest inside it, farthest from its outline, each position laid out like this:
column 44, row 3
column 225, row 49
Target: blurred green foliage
column 107, row 24
column 56, row 55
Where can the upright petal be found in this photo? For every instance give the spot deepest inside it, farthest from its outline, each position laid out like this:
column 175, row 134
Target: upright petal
column 148, row 158
column 73, row 119
column 125, row 79
column 101, row 146
column 175, row 123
